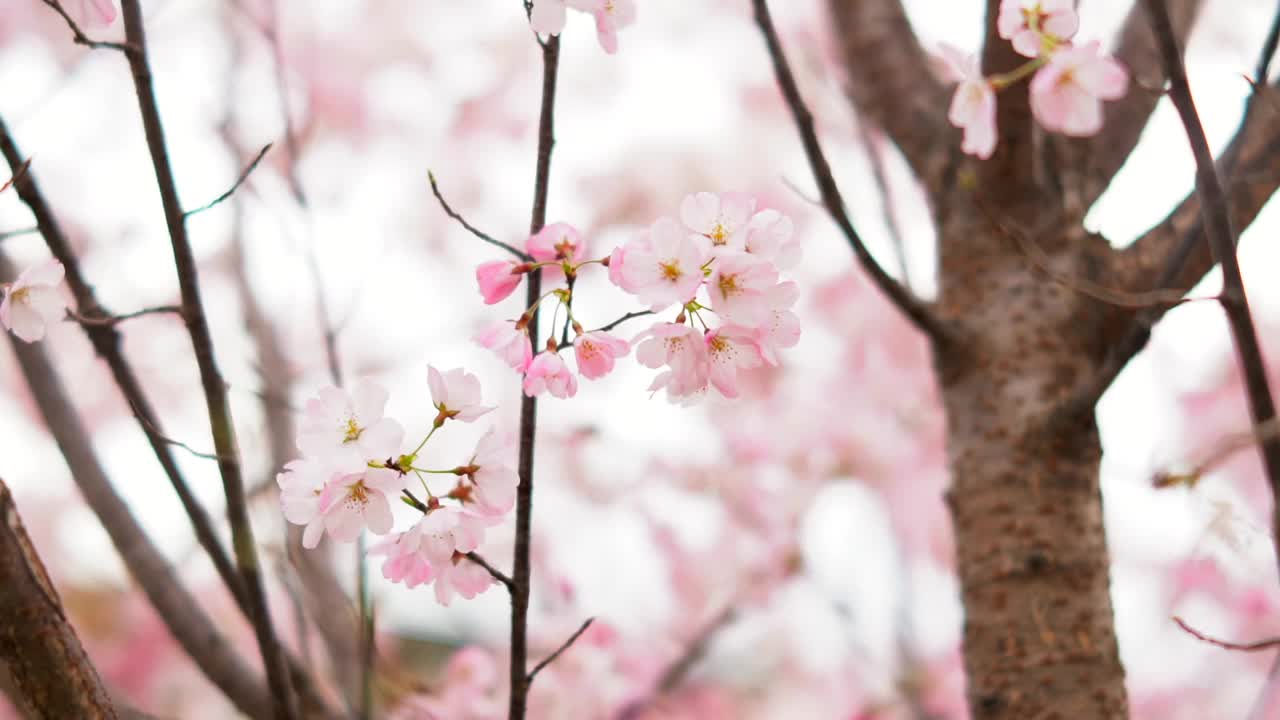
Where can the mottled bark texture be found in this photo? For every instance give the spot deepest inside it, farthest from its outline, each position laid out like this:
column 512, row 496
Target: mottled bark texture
column 1032, row 354
column 51, row 675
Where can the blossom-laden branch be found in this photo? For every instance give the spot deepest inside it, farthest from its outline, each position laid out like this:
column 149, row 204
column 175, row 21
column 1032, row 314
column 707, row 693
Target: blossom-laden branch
column 215, row 389
column 49, row 666
column 917, row 312
column 1222, row 243
column 1268, row 644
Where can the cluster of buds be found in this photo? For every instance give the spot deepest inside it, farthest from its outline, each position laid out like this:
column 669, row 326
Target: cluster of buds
column 548, row 17
column 1068, row 82
column 718, row 266
column 354, row 466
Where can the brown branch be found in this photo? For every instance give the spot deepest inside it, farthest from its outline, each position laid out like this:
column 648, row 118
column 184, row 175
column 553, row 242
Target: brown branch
column 624, row 318
column 244, row 175
column 891, row 83
column 917, row 312
column 494, row 572
column 1011, row 175
column 1263, row 432
column 215, row 389
column 560, row 650
column 1217, row 222
column 678, row 668
column 110, row 320
column 448, row 210
column 521, row 566
column 78, row 35
column 50, row 669
column 1089, row 164
column 17, row 173
column 870, row 144
column 19, row 232
column 1268, row 644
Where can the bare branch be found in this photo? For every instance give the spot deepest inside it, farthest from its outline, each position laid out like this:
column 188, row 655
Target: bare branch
column 1268, row 644
column 444, row 205
column 918, row 313
column 215, row 390
column 892, row 85
column 494, row 572
column 624, row 318
column 17, row 173
column 112, row 320
column 560, row 650
column 244, row 175
column 5, row 235
column 50, row 669
column 78, row 35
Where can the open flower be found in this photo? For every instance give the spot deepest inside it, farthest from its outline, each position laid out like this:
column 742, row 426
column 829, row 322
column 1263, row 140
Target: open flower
column 611, row 16
column 557, row 241
column 33, row 302
column 596, row 353
column 356, row 501
column 730, row 349
column 782, row 329
column 770, row 235
column 1036, row 26
column 498, row 279
column 348, row 430
column 663, row 268
column 512, row 345
column 737, row 287
column 455, row 394
column 973, row 107
column 493, row 473
column 681, row 350
column 720, row 218
column 548, row 373
column 1066, row 94
column 300, row 486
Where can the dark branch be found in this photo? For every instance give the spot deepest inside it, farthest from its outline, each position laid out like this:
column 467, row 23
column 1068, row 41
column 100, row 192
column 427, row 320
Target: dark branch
column 918, row 313
column 112, row 320
column 448, row 210
column 494, row 572
column 78, row 35
column 624, row 318
column 1268, row 644
column 5, row 235
column 244, row 175
column 560, row 650
column 17, row 174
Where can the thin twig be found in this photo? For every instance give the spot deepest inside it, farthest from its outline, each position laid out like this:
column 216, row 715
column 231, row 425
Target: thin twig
column 678, row 668
column 78, row 35
column 17, row 174
column 521, row 566
column 1261, row 433
column 1268, row 644
column 624, row 318
column 215, row 389
column 5, row 235
column 918, row 313
column 1221, row 238
column 494, row 572
column 870, row 146
column 244, row 175
column 560, row 650
column 444, row 205
column 112, row 320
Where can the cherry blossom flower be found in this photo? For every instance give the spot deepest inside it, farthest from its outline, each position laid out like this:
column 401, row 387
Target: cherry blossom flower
column 681, row 349
column 770, row 235
column 557, row 241
column 1066, row 93
column 493, row 473
column 300, row 486
column 33, row 302
column 404, row 563
column 973, row 107
column 596, row 353
column 737, row 288
column 720, row 218
column 1035, row 26
column 455, row 394
column 356, row 501
column 498, row 279
column 549, row 373
column 664, row 269
column 461, row 576
column 730, row 349
column 510, row 344
column 618, row 274
column 348, row 430
column 548, row 16
column 782, row 329
column 611, row 16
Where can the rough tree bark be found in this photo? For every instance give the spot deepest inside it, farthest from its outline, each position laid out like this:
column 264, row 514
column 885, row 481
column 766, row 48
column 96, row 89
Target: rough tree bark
column 1039, row 637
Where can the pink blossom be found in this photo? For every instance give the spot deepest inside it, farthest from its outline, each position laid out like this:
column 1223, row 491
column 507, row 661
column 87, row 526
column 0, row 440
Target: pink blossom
column 557, row 241
column 973, row 107
column 1034, row 26
column 663, row 270
column 33, row 302
column 720, row 218
column 97, row 13
column 461, row 576
column 737, row 287
column 548, row 16
column 404, row 562
column 596, row 353
column 494, row 475
column 512, row 345
column 618, row 274
column 611, row 16
column 730, row 349
column 498, row 279
column 300, row 486
column 1066, row 93
column 770, row 235
column 348, row 430
column 782, row 329
column 455, row 394
column 549, row 373
column 356, row 501
column 681, row 349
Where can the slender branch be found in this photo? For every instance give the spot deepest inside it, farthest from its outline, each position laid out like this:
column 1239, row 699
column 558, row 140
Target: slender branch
column 17, row 174
column 1217, row 222
column 448, row 210
column 1268, row 644
column 521, row 569
column 215, row 390
column 19, row 232
column 78, row 35
column 1262, row 433
column 111, row 320
column 678, row 668
column 560, row 650
column 624, row 318
column 50, row 669
column 494, row 572
column 244, row 175
column 918, row 313
column 870, row 145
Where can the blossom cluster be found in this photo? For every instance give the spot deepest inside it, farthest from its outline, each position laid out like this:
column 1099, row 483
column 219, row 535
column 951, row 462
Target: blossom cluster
column 721, row 260
column 1069, row 83
column 33, row 302
column 354, row 466
column 548, row 17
